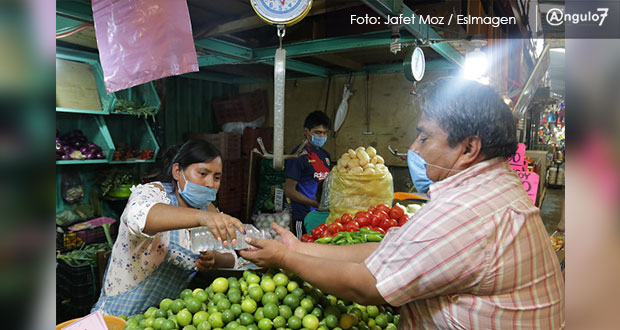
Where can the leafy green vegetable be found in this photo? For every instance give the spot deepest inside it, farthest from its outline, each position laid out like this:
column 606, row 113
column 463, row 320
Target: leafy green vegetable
column 129, row 107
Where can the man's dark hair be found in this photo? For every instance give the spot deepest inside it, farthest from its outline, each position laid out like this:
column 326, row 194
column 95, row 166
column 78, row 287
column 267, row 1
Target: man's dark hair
column 465, row 108
column 317, row 118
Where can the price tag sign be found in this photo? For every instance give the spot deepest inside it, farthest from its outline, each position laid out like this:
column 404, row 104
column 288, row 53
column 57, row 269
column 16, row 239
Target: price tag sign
column 93, row 321
column 517, row 161
column 530, row 183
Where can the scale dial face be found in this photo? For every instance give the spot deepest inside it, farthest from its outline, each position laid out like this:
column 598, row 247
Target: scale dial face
column 415, row 64
column 282, row 12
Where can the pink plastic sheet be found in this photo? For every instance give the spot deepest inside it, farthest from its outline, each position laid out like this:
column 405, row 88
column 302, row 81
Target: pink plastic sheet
column 143, row 40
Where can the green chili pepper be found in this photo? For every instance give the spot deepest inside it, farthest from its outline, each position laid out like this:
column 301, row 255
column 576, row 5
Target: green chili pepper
column 373, row 238
column 323, row 240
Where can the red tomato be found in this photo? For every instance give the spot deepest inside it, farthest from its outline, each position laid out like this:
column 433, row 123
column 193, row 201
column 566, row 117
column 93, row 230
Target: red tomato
column 306, row 238
column 317, row 232
column 336, row 227
column 396, row 212
column 374, row 220
column 382, row 215
column 352, row 226
column 330, row 233
column 323, row 227
column 368, row 227
column 388, row 223
column 403, row 220
column 363, row 220
column 379, row 229
column 383, row 208
column 372, row 209
column 360, row 213
column 346, row 218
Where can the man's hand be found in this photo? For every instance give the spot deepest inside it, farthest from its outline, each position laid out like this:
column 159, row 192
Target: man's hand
column 286, row 237
column 205, row 261
column 268, row 253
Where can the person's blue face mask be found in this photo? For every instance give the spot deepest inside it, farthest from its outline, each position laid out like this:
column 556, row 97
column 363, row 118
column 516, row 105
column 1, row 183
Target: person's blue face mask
column 417, row 170
column 318, row 141
column 195, row 195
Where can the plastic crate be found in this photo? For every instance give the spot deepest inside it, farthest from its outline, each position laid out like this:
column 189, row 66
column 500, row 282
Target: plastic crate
column 144, row 94
column 76, row 275
column 246, row 107
column 250, row 134
column 132, row 133
column 229, row 144
column 97, row 235
column 107, row 100
column 95, row 130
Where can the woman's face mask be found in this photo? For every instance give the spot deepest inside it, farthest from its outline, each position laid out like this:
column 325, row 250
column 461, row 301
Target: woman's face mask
column 195, row 195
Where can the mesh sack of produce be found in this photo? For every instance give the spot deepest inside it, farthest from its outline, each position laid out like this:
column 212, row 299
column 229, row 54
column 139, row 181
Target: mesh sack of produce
column 351, row 193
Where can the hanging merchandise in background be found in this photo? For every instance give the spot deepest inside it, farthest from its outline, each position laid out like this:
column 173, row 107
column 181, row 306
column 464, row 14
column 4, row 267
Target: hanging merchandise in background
column 140, row 41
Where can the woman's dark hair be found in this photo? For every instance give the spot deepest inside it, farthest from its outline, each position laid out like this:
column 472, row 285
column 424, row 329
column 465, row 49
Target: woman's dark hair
column 191, row 152
column 317, row 118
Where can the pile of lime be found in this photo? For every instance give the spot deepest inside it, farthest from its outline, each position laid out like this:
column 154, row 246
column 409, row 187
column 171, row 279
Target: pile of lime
column 261, row 302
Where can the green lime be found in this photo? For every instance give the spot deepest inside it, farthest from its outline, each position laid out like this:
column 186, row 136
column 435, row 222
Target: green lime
column 193, row 305
column 270, row 311
column 161, row 313
column 256, row 293
column 177, row 306
column 265, row 324
column 236, row 309
column 186, row 294
column 219, row 296
column 258, row 315
column 381, row 320
column 294, row 322
column 279, row 322
column 252, row 327
column 205, row 325
column 148, row 322
column 331, row 321
column 232, row 325
column 285, row 311
column 310, row 322
column 184, row 318
column 300, row 312
column 347, row 321
column 223, row 304
column 215, row 319
column 158, row 323
column 281, row 292
column 357, row 312
column 253, row 278
column 200, row 317
column 150, row 312
column 306, row 304
column 267, row 284
column 390, row 326
column 248, row 305
column 291, row 301
column 212, row 309
column 246, row 319
column 292, row 285
column 280, row 279
column 188, row 327
column 227, row 316
column 234, row 295
column 269, row 298
column 316, row 311
column 168, row 325
column 165, row 304
column 220, row 284
column 299, row 293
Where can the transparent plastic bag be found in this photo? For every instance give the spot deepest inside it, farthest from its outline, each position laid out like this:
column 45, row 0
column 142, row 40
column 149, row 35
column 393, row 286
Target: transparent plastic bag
column 351, row 193
column 203, row 240
column 263, row 221
column 324, row 203
column 72, row 190
column 143, row 40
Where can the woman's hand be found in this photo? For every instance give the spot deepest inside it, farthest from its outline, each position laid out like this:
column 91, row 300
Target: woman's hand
column 268, row 253
column 206, row 261
column 222, row 226
column 286, row 237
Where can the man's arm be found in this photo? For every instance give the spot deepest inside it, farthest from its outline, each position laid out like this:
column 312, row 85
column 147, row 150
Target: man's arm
column 290, row 189
column 348, row 280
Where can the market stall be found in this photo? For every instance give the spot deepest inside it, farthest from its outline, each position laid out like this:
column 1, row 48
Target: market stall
column 303, row 125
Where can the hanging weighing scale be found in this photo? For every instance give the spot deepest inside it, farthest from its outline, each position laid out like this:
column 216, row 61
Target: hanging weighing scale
column 414, row 66
column 281, row 13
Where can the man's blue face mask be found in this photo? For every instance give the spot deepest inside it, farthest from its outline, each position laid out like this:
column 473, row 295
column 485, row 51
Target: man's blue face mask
column 417, row 170
column 197, row 196
column 318, row 141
